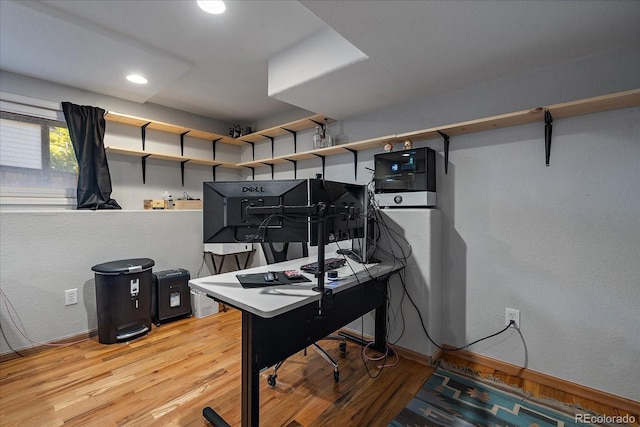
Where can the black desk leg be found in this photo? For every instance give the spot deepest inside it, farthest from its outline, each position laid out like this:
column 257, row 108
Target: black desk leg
column 214, row 419
column 250, row 389
column 380, row 337
column 250, row 375
column 380, row 333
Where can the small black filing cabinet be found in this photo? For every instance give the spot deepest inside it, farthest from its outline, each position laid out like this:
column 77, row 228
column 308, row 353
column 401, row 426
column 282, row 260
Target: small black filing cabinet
column 123, row 299
column 170, row 299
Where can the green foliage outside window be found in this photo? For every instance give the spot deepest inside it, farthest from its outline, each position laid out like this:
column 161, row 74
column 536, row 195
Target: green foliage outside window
column 62, row 157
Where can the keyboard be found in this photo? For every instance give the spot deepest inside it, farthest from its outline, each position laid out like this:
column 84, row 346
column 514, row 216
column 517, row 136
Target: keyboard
column 329, row 264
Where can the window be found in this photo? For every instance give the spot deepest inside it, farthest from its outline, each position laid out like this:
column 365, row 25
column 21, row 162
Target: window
column 36, row 152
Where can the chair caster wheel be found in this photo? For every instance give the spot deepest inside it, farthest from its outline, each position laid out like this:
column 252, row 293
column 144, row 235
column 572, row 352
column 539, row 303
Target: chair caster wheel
column 271, row 380
column 336, row 376
column 343, row 347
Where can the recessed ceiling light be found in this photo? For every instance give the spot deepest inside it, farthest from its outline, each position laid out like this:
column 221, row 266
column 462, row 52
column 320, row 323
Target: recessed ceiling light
column 136, row 78
column 212, row 6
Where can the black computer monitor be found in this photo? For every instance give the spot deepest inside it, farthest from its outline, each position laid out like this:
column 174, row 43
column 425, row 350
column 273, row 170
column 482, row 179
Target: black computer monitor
column 226, row 219
column 346, row 208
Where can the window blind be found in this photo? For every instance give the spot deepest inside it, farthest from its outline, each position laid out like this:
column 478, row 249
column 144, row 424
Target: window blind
column 20, row 144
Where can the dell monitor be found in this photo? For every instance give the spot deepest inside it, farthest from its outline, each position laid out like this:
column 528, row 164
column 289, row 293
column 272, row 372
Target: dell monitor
column 280, row 211
column 345, row 209
column 227, row 220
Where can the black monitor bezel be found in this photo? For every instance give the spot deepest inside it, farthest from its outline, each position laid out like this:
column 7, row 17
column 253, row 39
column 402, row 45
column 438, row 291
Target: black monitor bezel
column 346, row 207
column 224, row 211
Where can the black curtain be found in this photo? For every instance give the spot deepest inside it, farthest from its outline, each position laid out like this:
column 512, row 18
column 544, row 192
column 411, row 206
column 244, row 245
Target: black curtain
column 86, row 128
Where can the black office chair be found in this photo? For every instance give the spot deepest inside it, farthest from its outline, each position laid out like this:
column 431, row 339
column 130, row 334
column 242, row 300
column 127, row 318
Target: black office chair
column 279, row 252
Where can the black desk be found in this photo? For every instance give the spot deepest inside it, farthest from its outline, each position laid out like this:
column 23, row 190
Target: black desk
column 276, row 328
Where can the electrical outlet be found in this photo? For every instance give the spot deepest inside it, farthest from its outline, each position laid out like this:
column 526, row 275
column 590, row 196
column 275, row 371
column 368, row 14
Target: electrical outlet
column 71, row 296
column 512, row 314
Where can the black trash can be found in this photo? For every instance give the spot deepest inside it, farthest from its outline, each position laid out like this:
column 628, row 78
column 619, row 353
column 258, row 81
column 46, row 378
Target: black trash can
column 123, row 299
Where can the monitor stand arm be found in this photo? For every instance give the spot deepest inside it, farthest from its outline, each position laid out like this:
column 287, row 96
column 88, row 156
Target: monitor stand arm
column 317, row 211
column 322, row 214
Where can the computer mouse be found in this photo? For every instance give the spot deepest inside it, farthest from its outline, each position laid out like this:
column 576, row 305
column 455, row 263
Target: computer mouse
column 269, row 277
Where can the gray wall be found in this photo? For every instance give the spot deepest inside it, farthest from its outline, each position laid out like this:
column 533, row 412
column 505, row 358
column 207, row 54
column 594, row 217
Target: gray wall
column 414, row 233
column 561, row 243
column 43, row 253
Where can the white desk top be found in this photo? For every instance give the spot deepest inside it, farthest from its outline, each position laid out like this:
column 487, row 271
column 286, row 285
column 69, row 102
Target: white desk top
column 271, row 301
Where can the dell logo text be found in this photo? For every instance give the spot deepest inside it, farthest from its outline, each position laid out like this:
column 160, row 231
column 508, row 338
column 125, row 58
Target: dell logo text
column 253, row 189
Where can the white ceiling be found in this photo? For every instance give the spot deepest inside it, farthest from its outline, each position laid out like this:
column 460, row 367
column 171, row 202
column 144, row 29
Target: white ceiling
column 225, row 66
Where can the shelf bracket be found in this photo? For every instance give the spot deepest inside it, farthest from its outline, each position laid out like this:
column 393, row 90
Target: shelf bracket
column 295, row 138
column 270, row 165
column 213, row 145
column 272, row 143
column 213, row 171
column 355, row 162
column 182, row 170
column 323, row 163
column 548, row 127
column 318, row 123
column 182, row 145
column 143, row 130
column 295, row 168
column 253, row 150
column 253, row 173
column 446, row 151
column 144, row 168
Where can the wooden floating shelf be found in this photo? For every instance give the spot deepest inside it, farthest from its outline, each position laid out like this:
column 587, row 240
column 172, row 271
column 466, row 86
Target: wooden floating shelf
column 367, row 144
column 274, row 132
column 303, row 155
column 170, row 128
column 169, row 157
column 285, row 129
column 567, row 109
column 563, row 110
column 210, row 136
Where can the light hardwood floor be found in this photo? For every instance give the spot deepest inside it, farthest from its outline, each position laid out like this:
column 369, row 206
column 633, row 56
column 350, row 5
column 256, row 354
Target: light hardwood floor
column 169, row 376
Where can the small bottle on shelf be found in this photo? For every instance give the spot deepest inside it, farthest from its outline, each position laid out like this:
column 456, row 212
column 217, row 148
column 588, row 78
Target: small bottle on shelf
column 317, row 139
column 168, row 200
column 327, row 140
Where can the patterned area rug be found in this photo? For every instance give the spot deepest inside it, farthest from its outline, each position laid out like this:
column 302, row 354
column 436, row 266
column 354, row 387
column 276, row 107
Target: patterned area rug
column 455, row 399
